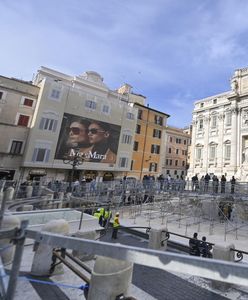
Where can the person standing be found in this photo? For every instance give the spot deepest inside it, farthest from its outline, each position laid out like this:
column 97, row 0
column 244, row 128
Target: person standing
column 206, row 179
column 233, row 182
column 205, row 248
column 223, row 184
column 194, row 244
column 116, row 225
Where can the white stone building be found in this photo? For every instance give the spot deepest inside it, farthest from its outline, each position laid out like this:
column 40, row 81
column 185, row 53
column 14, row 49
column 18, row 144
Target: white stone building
column 220, row 132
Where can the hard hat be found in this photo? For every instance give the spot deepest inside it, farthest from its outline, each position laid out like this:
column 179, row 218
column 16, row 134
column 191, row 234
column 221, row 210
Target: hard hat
column 99, row 209
column 117, row 214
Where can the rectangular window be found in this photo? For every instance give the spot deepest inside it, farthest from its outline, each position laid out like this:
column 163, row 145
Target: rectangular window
column 48, row 124
column 185, row 142
column 1, row 95
column 212, row 150
column 140, row 114
column 130, row 116
column 177, row 151
column 16, row 147
column 90, row 104
column 126, row 139
column 123, row 162
column 198, row 153
column 105, row 109
column 170, row 162
column 176, row 162
column 175, row 172
column 157, row 133
column 131, row 167
column 155, row 149
column 228, row 119
column 158, row 120
column 183, row 163
column 135, row 146
column 166, row 162
column 169, row 150
column 55, row 94
column 227, row 151
column 41, row 155
column 200, row 126
column 23, row 120
column 138, row 128
column 28, row 102
column 153, row 167
column 171, row 139
column 214, row 121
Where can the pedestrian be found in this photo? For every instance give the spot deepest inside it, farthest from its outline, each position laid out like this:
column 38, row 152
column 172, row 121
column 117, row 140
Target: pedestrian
column 223, row 184
column 233, row 182
column 107, row 217
column 194, row 244
column 206, row 179
column 116, row 225
column 205, row 248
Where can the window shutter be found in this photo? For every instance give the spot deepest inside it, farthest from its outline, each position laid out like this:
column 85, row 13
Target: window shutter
column 42, row 121
column 47, row 155
column 34, row 154
column 55, row 125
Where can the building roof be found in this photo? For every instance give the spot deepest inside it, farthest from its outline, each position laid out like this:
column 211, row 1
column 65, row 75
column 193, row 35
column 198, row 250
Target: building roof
column 152, row 109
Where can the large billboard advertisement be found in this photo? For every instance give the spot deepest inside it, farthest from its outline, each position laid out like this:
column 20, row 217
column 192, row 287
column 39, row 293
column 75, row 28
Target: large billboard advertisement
column 96, row 141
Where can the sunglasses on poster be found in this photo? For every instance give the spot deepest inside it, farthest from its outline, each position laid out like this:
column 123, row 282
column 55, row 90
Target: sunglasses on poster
column 75, row 130
column 95, row 131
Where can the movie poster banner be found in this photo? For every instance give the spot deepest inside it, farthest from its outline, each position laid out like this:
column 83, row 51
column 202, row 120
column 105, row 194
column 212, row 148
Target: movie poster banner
column 96, row 141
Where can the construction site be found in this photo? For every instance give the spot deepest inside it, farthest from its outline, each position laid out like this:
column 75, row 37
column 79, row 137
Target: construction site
column 47, row 234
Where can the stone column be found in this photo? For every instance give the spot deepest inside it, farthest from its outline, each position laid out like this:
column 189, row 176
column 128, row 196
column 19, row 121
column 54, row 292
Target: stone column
column 157, row 239
column 110, row 278
column 205, row 155
column 223, row 252
column 43, row 255
column 9, row 193
column 29, row 191
column 220, row 152
column 192, row 154
column 234, row 135
column 6, row 248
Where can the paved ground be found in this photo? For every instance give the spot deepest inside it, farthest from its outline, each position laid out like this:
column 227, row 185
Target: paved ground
column 160, row 284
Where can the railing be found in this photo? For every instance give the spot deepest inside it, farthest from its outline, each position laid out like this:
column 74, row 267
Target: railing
column 125, row 189
column 176, row 245
column 212, row 269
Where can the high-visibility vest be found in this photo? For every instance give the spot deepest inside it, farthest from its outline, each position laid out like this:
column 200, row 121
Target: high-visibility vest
column 108, row 214
column 97, row 215
column 102, row 211
column 116, row 222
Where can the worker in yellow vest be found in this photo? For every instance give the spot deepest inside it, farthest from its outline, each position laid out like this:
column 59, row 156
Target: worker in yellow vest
column 98, row 215
column 107, row 217
column 116, row 225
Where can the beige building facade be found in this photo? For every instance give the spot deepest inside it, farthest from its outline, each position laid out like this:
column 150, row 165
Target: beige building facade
column 220, row 132
column 63, row 102
column 176, row 154
column 18, row 101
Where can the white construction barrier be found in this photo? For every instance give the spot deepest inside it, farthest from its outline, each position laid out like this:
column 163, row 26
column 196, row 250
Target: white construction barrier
column 110, row 278
column 43, row 256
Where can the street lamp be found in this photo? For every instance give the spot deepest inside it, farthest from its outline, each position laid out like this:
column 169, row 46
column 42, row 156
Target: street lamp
column 75, row 159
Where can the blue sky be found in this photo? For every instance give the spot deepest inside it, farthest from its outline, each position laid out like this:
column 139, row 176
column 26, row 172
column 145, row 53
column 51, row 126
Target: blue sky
column 174, row 52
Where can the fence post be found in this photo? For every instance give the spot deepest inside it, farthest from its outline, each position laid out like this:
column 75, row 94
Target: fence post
column 16, row 262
